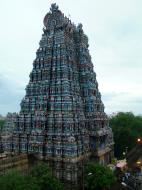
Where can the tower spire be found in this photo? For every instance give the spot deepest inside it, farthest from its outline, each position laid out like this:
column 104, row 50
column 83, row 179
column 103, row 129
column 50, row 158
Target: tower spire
column 54, row 7
column 62, row 118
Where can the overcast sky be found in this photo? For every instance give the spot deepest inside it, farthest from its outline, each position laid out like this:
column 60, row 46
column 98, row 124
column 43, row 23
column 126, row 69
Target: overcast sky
column 114, row 28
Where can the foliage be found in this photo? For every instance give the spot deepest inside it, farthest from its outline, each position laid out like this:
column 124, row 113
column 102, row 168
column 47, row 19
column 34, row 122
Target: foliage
column 2, row 122
column 126, row 128
column 98, row 177
column 39, row 178
column 44, row 179
column 14, row 180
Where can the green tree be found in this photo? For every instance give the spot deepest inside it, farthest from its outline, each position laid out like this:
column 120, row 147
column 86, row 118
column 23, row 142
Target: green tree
column 98, row 177
column 15, row 180
column 2, row 122
column 40, row 178
column 126, row 128
column 44, row 179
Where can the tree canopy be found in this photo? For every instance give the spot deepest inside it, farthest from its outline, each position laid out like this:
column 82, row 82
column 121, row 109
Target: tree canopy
column 39, row 178
column 98, row 177
column 43, row 177
column 2, row 122
column 126, row 128
column 15, row 180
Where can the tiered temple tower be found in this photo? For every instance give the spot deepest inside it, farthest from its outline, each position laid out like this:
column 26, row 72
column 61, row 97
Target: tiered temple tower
column 62, row 118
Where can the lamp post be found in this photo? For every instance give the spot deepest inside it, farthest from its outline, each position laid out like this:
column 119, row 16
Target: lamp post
column 126, row 151
column 139, row 140
column 89, row 174
column 127, row 186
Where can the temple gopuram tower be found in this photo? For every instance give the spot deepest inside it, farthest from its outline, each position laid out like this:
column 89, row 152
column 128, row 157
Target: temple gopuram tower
column 62, row 118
